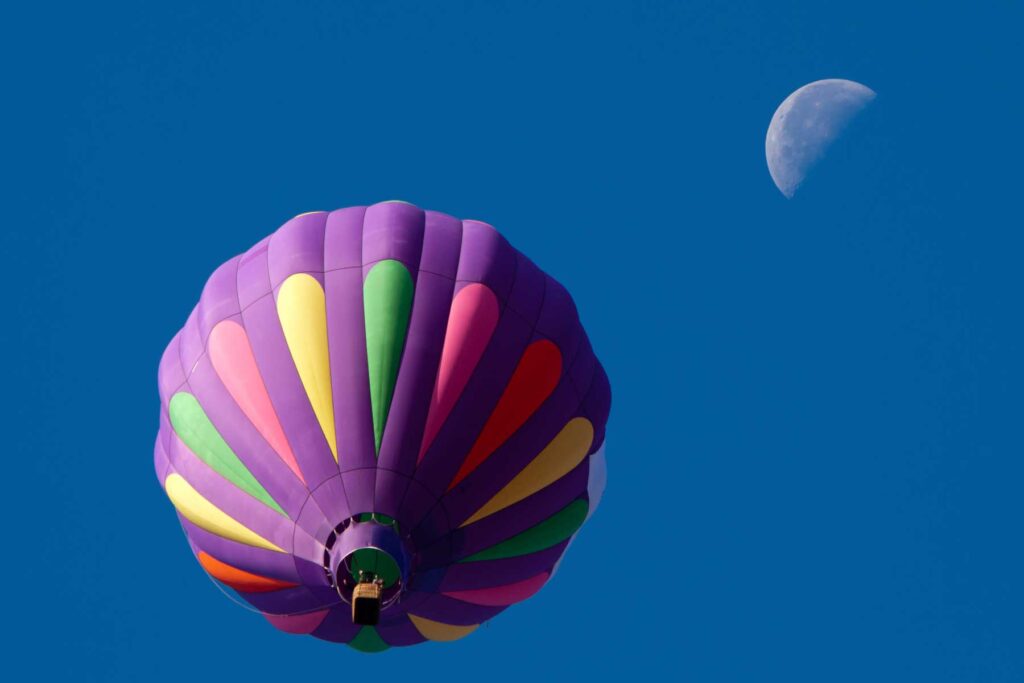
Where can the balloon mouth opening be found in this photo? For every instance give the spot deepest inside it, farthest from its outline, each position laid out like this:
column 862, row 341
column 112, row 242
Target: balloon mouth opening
column 367, row 563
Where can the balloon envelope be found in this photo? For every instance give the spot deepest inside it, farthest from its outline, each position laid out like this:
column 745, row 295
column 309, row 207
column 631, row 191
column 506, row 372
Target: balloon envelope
column 388, row 392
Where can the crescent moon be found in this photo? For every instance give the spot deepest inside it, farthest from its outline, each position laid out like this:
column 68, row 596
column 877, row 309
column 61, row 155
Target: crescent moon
column 806, row 124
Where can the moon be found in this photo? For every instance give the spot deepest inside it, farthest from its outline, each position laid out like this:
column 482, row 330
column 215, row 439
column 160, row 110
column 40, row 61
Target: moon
column 806, row 124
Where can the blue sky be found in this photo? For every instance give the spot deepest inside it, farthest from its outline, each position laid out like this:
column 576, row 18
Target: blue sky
column 815, row 431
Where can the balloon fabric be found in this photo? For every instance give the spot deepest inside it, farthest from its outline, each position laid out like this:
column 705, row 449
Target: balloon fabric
column 389, row 396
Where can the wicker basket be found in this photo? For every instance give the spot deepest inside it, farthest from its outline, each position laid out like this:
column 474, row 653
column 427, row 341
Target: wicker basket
column 366, row 598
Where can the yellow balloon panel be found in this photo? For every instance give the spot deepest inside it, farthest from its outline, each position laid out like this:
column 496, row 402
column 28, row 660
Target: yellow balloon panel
column 435, row 630
column 302, row 309
column 558, row 458
column 205, row 515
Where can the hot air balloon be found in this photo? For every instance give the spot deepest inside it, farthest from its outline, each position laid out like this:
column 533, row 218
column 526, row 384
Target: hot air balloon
column 381, row 425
